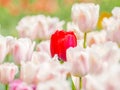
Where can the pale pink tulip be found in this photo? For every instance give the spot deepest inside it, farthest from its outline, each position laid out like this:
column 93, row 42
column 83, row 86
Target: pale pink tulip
column 96, row 37
column 112, row 26
column 20, row 85
column 56, row 84
column 52, row 70
column 7, row 72
column 40, row 57
column 29, row 71
column 22, row 50
column 78, row 58
column 116, row 12
column 44, row 46
column 102, row 56
column 27, row 27
column 39, row 26
column 103, row 81
column 48, row 25
column 3, row 48
column 10, row 42
column 85, row 15
column 114, row 72
column 35, row 71
column 92, row 83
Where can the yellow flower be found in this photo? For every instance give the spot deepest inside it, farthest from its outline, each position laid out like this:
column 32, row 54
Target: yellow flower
column 102, row 15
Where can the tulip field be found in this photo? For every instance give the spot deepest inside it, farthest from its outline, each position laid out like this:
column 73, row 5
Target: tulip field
column 59, row 45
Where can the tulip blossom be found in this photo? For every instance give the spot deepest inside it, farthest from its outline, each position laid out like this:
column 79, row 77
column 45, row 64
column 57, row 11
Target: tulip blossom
column 28, row 71
column 20, row 85
column 103, row 81
column 22, row 50
column 116, row 12
column 96, row 37
column 78, row 59
column 7, row 72
column 109, row 54
column 40, row 57
column 112, row 26
column 85, row 16
column 55, row 84
column 39, row 26
column 52, row 70
column 10, row 42
column 60, row 42
column 44, row 46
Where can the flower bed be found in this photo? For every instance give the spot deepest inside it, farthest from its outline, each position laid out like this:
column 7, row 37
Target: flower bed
column 47, row 57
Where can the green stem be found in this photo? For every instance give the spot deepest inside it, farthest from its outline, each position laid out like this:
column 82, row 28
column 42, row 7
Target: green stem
column 84, row 46
column 6, row 87
column 80, row 82
column 69, row 78
column 85, row 39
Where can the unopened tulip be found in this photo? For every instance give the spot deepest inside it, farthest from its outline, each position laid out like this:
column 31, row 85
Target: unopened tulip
column 85, row 16
column 22, row 50
column 60, row 42
column 78, row 58
column 44, row 46
column 7, row 72
column 28, row 71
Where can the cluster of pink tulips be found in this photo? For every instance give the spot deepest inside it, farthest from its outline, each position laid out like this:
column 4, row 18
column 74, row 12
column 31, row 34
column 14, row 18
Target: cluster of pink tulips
column 47, row 57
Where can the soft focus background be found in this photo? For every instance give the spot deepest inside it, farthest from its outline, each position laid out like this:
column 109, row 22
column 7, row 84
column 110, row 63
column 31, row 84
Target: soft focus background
column 11, row 11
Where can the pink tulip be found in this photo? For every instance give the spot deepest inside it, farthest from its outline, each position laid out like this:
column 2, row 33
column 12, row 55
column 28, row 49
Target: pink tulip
column 22, row 50
column 7, row 72
column 20, row 85
column 114, row 72
column 116, row 12
column 10, row 42
column 107, row 56
column 29, row 71
column 96, row 37
column 112, row 26
column 85, row 15
column 52, row 70
column 44, row 46
column 48, row 26
column 78, row 58
column 39, row 26
column 103, row 81
column 55, row 84
column 92, row 83
column 40, row 57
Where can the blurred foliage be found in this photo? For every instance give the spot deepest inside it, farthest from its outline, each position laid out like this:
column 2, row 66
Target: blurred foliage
column 11, row 11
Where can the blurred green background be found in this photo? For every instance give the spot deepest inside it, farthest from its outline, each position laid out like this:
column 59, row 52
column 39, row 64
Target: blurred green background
column 11, row 11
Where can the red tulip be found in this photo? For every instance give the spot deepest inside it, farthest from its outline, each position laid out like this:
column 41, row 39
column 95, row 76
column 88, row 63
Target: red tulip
column 60, row 42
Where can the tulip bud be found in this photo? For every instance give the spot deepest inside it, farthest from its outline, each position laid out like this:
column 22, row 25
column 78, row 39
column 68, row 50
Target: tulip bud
column 85, row 16
column 7, row 72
